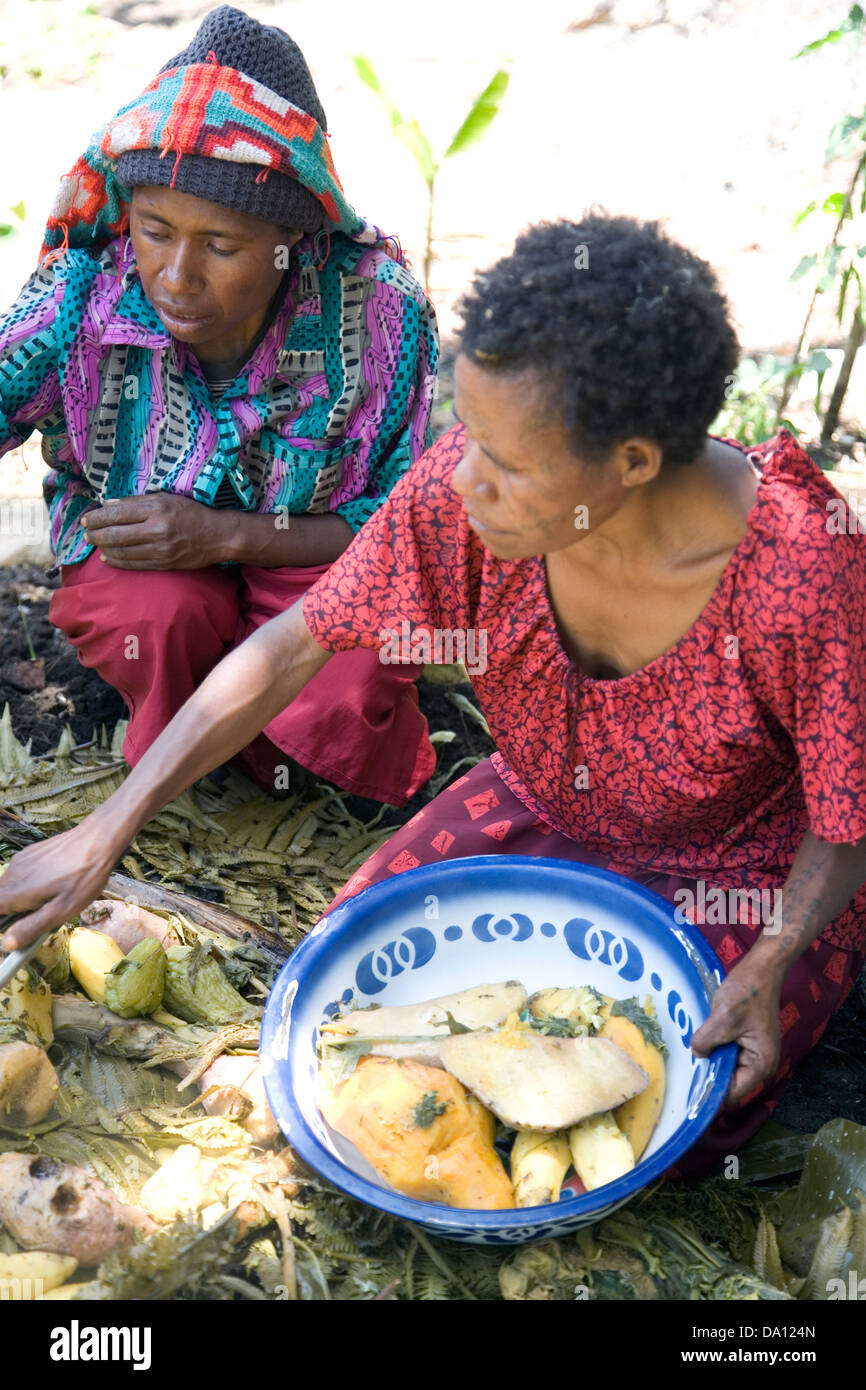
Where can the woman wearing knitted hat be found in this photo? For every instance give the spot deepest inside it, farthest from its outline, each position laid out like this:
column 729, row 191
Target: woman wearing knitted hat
column 230, row 370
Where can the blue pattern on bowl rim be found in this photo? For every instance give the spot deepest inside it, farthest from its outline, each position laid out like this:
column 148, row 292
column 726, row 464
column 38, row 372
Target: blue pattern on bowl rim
column 619, row 936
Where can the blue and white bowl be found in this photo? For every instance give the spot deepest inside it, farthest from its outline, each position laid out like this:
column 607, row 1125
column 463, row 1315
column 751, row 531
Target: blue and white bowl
column 465, row 922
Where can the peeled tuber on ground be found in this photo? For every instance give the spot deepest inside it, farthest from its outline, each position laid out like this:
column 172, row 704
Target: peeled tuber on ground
column 28, row 1084
column 92, row 955
column 127, row 924
column 421, row 1131
column 241, row 1095
column 535, row 1082
column 48, row 1205
column 33, row 1273
column 485, row 1006
column 25, row 1009
column 52, row 958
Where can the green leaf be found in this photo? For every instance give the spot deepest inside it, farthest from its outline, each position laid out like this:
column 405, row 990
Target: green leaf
column 19, row 210
column 649, row 1027
column 829, row 268
column 428, row 1109
column 409, row 132
column 803, row 214
column 818, row 362
column 843, row 290
column 414, row 139
column 806, row 264
column 849, row 29
column 483, row 112
column 338, row 1063
column 843, row 138
column 835, row 203
column 365, row 71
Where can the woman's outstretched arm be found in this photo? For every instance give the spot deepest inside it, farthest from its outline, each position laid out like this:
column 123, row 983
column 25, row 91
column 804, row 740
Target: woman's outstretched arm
column 55, row 879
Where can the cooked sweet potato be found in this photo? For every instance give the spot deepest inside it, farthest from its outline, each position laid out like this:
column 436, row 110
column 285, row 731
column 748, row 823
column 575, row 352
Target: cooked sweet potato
column 638, row 1117
column 421, row 1132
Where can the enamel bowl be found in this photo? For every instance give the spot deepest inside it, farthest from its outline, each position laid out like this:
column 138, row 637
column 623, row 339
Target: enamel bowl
column 465, row 922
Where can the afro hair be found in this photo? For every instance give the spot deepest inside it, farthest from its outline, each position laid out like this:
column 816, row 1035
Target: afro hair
column 628, row 331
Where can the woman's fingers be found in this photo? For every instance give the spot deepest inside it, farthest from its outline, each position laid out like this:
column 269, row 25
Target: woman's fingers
column 49, row 883
column 48, row 917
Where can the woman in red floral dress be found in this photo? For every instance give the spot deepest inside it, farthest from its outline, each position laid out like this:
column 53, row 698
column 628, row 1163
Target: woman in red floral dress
column 665, row 631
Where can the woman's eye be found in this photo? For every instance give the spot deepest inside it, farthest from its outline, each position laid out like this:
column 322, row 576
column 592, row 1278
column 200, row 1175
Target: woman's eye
column 218, row 252
column 151, row 235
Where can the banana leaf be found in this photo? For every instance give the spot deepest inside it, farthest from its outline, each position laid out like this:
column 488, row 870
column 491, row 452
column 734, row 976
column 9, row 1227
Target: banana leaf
column 833, row 1177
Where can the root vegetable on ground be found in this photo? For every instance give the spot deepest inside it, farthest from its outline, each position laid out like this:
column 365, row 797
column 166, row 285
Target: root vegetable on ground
column 47, row 1205
column 33, row 1273
column 28, row 1084
column 25, row 1009
column 239, row 1093
column 127, row 923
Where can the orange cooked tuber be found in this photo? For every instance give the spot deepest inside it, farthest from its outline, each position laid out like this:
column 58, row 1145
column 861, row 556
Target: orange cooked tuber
column 425, row 1135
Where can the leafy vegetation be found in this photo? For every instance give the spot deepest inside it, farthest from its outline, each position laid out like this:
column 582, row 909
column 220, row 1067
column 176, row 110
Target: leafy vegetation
column 482, row 112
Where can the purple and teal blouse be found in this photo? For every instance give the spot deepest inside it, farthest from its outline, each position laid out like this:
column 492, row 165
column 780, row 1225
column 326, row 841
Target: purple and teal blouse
column 330, row 409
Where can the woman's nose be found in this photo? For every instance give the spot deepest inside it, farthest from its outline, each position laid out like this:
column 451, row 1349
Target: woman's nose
column 469, row 478
column 180, row 271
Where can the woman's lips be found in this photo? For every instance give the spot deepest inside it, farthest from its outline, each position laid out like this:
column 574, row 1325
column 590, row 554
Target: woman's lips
column 175, row 319
column 480, row 526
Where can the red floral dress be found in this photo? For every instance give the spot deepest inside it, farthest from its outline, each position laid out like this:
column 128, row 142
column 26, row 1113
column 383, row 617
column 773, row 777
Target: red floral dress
column 713, row 760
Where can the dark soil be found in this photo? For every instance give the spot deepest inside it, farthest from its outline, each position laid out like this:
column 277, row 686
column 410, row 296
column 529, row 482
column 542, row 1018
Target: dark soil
column 42, row 699
column 832, row 1080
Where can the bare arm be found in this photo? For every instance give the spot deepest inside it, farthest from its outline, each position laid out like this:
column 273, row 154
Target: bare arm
column 824, row 877
column 60, row 876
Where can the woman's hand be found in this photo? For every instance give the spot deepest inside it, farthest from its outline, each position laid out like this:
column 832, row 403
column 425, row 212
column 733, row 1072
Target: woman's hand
column 54, row 880
column 745, row 1011
column 158, row 531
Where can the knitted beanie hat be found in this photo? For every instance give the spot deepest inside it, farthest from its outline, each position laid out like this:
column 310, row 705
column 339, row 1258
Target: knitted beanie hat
column 270, row 57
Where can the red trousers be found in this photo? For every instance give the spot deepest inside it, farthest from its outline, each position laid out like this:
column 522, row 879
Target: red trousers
column 478, row 814
column 155, row 635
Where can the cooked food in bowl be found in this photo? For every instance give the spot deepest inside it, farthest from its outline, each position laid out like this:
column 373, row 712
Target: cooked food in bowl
column 429, row 1093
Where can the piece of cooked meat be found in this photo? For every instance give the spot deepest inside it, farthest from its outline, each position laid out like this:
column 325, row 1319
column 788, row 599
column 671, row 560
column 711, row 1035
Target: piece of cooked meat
column 47, row 1205
column 534, row 1082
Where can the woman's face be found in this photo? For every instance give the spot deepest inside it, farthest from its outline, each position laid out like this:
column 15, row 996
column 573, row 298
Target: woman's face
column 522, row 486
column 209, row 272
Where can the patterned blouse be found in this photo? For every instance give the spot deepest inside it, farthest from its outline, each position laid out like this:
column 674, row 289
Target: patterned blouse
column 714, row 759
column 327, row 413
